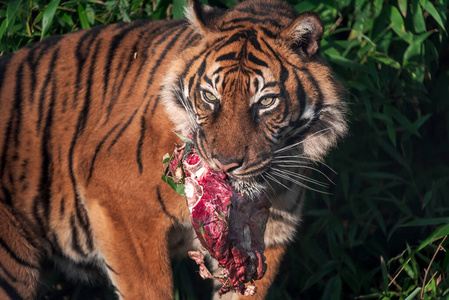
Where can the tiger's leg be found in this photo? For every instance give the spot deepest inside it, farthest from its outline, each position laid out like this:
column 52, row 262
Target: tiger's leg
column 19, row 258
column 136, row 255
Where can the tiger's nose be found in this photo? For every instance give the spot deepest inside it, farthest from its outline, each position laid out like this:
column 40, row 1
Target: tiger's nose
column 225, row 167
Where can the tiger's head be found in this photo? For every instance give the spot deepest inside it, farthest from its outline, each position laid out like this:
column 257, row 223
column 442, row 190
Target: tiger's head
column 254, row 92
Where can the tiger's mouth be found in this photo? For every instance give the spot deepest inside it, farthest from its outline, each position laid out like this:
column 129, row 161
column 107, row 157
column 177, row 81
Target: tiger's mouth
column 249, row 187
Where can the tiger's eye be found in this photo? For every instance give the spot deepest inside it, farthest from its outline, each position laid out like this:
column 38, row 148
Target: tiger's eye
column 267, row 101
column 209, row 96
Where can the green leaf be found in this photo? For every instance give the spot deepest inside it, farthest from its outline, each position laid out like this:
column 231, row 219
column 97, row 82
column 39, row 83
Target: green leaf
column 428, row 6
column 397, row 24
column 178, row 8
column 3, row 27
column 184, row 138
column 387, row 61
column 384, row 273
column 403, row 7
column 187, row 150
column 415, row 46
column 178, row 187
column 398, row 116
column 414, row 294
column 393, row 153
column 161, row 9
column 201, row 229
column 391, row 133
column 417, row 16
column 437, row 234
column 83, row 17
column 426, row 222
column 49, row 14
column 12, row 10
column 418, row 123
column 333, row 288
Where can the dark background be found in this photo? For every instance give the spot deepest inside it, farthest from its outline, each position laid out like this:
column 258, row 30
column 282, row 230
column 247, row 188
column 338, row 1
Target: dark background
column 381, row 234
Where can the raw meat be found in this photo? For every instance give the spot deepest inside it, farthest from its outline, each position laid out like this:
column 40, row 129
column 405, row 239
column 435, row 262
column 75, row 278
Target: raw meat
column 230, row 227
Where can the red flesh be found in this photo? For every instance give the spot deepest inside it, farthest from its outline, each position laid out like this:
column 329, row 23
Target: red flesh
column 230, row 227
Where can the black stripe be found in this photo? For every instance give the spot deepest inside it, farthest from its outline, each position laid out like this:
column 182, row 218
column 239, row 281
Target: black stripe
column 128, row 60
column 34, row 59
column 188, row 39
column 46, row 177
column 4, row 61
column 158, row 62
column 164, row 208
column 227, row 56
column 86, row 40
column 55, row 244
column 80, row 126
column 9, row 275
column 43, row 92
column 301, row 96
column 9, row 290
column 147, row 41
column 265, row 20
column 7, row 194
column 111, row 269
column 113, row 46
column 120, row 133
column 14, row 256
column 319, row 101
column 62, row 207
column 76, row 237
column 232, row 27
column 9, row 128
column 18, row 99
column 232, row 39
column 98, row 148
column 140, row 144
column 256, row 60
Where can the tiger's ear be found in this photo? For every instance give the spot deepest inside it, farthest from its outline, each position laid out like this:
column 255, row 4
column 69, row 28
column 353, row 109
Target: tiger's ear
column 304, row 33
column 202, row 17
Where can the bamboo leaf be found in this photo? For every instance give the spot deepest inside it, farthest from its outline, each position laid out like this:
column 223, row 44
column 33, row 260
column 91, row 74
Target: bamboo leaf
column 403, row 7
column 437, row 234
column 428, row 6
column 83, row 17
column 11, row 10
column 333, row 288
column 414, row 294
column 417, row 16
column 397, row 24
column 178, row 8
column 49, row 14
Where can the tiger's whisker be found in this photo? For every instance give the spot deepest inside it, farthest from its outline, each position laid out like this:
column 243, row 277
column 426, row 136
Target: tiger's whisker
column 280, row 175
column 314, row 135
column 305, row 178
column 263, row 177
column 277, row 181
column 307, row 167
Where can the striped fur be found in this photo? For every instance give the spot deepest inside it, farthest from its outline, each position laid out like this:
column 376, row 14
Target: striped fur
column 87, row 117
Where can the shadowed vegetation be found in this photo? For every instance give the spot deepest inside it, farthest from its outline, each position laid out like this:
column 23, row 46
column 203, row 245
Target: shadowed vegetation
column 382, row 231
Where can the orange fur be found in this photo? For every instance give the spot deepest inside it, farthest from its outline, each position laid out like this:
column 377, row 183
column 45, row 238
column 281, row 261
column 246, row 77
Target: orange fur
column 88, row 116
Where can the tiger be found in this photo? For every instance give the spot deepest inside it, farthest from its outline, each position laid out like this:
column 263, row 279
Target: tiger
column 87, row 117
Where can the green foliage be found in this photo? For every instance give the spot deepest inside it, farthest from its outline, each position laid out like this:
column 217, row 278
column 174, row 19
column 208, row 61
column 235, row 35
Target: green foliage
column 382, row 233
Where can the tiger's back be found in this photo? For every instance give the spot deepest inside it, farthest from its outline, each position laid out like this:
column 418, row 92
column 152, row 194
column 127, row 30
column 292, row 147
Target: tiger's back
column 88, row 116
column 71, row 105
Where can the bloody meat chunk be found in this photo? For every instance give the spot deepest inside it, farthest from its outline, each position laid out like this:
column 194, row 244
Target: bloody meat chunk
column 230, row 227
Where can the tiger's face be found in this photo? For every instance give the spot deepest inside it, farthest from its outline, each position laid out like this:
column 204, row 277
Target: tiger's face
column 254, row 94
